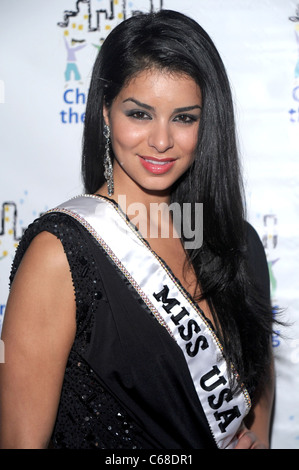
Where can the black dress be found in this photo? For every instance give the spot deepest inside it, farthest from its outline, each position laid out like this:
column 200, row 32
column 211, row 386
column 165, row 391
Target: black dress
column 126, row 384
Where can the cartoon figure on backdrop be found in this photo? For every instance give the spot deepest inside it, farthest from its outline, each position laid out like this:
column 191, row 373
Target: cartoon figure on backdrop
column 98, row 46
column 297, row 38
column 295, row 19
column 71, row 67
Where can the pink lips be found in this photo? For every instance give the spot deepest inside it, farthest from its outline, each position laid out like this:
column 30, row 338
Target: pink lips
column 158, row 166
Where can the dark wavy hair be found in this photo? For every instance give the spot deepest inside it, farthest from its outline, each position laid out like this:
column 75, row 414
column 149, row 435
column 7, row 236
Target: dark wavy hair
column 170, row 41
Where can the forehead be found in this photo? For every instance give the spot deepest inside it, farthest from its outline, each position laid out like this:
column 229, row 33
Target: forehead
column 163, row 86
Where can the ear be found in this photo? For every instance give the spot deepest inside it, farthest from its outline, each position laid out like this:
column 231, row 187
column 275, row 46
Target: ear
column 106, row 115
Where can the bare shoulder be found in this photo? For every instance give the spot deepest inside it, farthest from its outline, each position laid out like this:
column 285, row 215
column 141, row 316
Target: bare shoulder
column 44, row 261
column 43, row 285
column 46, row 248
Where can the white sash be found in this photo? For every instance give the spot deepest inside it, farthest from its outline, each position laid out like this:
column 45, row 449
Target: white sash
column 171, row 306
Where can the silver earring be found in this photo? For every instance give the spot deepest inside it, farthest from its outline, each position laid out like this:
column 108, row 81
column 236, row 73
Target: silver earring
column 108, row 169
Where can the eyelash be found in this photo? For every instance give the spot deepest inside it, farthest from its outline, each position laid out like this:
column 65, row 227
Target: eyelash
column 190, row 118
column 144, row 116
column 134, row 114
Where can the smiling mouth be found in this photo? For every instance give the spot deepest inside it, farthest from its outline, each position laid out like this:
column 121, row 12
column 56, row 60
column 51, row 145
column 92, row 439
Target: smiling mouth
column 157, row 161
column 156, row 165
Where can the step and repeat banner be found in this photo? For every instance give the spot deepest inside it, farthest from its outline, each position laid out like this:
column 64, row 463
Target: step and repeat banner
column 47, row 51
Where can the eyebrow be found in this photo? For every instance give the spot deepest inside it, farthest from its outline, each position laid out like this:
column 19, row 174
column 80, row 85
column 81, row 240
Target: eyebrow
column 150, row 108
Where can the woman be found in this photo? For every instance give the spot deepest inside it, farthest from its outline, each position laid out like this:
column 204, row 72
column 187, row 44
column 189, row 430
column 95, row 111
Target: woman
column 117, row 336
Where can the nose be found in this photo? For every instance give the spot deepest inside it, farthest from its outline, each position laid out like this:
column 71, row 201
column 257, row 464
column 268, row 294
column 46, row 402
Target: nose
column 160, row 137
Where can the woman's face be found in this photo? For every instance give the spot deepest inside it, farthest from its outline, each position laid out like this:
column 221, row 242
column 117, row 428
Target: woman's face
column 154, row 125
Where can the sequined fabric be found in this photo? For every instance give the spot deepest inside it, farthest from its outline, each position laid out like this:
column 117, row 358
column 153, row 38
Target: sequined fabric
column 89, row 417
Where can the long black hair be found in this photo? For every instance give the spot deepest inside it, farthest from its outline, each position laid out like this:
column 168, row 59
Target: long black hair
column 168, row 40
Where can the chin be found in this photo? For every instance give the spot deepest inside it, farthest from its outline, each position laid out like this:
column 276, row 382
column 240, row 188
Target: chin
column 156, row 188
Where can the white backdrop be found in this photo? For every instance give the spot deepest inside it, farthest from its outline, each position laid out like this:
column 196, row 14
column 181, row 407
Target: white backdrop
column 44, row 78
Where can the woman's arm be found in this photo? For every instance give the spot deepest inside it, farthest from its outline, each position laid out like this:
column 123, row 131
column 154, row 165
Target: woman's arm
column 256, row 432
column 38, row 332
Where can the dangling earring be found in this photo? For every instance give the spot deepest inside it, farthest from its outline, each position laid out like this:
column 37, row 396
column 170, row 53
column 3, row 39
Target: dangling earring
column 108, row 169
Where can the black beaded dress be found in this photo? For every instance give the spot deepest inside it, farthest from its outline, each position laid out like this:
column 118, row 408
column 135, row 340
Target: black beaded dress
column 126, row 383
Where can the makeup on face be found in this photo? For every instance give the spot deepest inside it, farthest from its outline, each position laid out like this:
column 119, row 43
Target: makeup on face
column 154, row 124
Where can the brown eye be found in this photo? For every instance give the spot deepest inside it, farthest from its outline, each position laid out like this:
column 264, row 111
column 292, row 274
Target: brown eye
column 185, row 118
column 140, row 115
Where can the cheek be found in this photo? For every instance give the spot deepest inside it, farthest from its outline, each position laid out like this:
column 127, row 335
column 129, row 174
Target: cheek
column 187, row 140
column 126, row 137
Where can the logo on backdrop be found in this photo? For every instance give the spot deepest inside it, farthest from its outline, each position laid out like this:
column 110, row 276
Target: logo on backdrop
column 13, row 224
column 294, row 111
column 83, row 31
